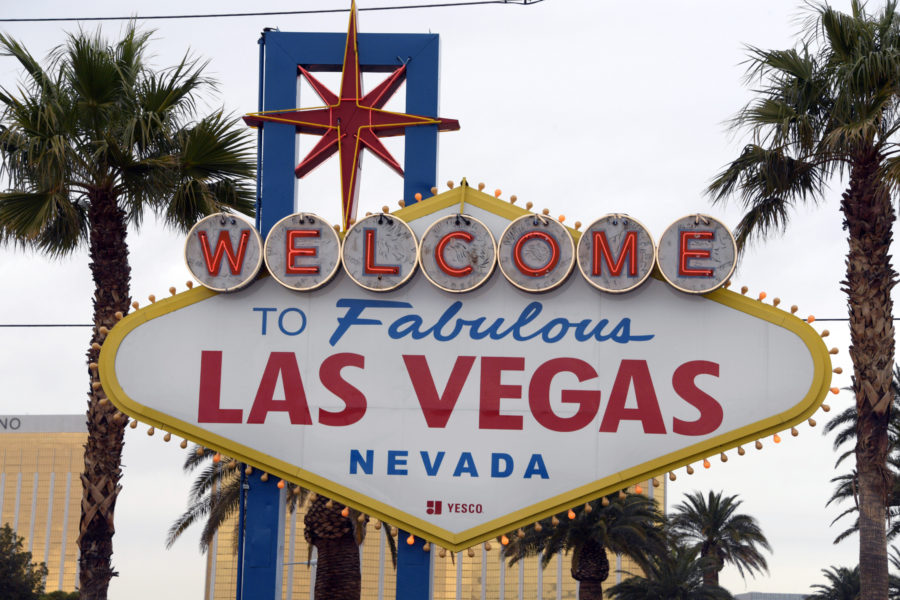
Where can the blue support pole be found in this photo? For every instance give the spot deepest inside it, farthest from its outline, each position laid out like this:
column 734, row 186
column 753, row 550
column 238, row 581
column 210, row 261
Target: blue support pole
column 413, row 569
column 263, row 540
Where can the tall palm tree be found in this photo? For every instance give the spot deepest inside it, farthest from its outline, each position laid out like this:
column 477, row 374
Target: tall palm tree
column 631, row 526
column 676, row 574
column 828, row 107
column 713, row 525
column 89, row 143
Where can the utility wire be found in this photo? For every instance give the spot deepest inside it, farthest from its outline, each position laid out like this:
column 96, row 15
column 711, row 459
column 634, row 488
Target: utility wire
column 10, row 325
column 269, row 13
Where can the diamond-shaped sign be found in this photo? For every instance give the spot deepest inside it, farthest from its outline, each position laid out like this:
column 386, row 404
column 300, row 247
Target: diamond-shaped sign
column 460, row 416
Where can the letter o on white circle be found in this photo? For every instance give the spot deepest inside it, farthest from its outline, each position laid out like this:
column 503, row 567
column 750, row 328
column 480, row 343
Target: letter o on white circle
column 536, row 253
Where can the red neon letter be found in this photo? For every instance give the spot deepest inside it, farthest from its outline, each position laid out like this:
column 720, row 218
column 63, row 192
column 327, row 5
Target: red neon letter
column 685, row 253
column 492, row 391
column 354, row 400
column 369, row 265
column 439, row 253
column 294, row 403
column 588, row 401
column 208, row 409
column 647, row 411
column 551, row 263
column 437, row 409
column 224, row 247
column 710, row 410
column 292, row 252
column 601, row 250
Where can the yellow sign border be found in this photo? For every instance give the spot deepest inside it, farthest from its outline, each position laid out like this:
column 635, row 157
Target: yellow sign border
column 459, row 541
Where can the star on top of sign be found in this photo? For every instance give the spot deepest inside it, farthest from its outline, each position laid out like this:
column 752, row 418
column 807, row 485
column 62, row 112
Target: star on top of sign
column 350, row 122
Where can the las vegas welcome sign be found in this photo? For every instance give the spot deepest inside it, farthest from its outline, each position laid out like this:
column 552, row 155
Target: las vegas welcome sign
column 463, row 367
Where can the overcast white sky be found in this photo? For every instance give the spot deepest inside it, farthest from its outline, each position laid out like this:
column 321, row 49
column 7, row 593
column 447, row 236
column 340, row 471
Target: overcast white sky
column 582, row 106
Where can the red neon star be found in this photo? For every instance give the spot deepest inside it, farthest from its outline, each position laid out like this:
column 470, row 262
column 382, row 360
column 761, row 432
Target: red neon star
column 350, row 122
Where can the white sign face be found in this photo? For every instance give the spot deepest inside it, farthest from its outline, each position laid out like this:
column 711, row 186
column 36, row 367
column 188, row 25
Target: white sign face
column 459, row 417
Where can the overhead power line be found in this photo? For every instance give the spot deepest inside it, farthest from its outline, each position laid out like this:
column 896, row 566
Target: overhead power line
column 268, row 13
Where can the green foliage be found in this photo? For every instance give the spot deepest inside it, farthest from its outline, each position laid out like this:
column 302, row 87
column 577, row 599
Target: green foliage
column 215, row 495
column 96, row 119
column 631, row 526
column 61, row 595
column 843, row 584
column 713, row 526
column 817, row 109
column 676, row 574
column 20, row 578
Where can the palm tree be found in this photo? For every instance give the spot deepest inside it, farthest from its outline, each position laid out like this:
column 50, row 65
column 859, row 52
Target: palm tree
column 631, row 526
column 336, row 532
column 676, row 574
column 215, row 497
column 843, row 584
column 89, row 143
column 826, row 107
column 722, row 535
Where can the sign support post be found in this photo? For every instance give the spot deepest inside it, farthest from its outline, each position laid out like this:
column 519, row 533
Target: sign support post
column 413, row 569
column 263, row 539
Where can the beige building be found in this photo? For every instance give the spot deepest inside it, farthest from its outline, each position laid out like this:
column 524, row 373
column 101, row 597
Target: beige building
column 459, row 577
column 40, row 489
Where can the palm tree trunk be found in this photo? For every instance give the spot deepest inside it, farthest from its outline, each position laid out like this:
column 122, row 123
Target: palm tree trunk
column 591, row 569
column 106, row 428
column 338, row 575
column 868, row 216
